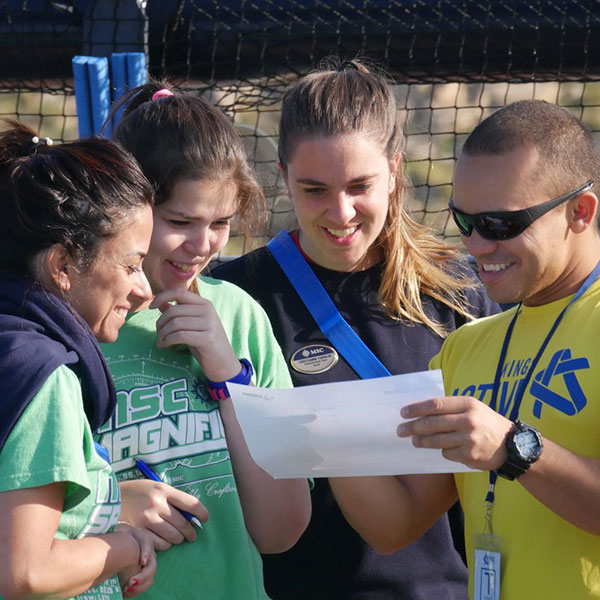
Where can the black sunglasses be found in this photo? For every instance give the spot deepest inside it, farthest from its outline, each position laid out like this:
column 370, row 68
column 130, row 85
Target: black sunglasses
column 508, row 224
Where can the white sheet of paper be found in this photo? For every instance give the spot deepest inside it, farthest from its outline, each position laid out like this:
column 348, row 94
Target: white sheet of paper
column 338, row 429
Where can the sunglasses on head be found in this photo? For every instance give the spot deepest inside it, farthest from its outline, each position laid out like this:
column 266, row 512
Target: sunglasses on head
column 507, row 224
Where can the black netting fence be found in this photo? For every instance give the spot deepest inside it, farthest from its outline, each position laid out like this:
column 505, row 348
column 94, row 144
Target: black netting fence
column 452, row 62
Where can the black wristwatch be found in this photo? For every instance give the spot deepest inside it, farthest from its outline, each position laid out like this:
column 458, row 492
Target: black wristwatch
column 524, row 446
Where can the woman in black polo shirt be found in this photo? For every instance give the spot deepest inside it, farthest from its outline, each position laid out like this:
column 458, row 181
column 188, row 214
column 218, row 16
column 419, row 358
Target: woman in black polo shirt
column 400, row 289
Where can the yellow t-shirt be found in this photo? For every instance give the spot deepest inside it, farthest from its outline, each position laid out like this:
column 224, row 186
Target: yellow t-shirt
column 544, row 557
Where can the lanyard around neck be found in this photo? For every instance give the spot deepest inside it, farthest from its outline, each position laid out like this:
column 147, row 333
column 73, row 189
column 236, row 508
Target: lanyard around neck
column 520, row 391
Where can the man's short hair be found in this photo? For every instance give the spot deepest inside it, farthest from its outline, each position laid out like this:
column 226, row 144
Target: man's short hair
column 568, row 154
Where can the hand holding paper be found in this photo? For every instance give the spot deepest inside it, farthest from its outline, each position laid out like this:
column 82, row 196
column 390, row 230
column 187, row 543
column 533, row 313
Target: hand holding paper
column 338, row 429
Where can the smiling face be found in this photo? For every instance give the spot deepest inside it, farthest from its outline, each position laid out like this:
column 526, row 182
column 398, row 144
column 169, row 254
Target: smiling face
column 114, row 283
column 189, row 228
column 540, row 265
column 340, row 187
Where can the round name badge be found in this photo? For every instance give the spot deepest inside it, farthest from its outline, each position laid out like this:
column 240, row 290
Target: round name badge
column 313, row 359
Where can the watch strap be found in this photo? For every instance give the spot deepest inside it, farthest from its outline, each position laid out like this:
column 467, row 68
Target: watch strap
column 514, row 466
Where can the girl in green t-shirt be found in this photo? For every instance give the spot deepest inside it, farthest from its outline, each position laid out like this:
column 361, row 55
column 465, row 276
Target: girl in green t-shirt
column 178, row 350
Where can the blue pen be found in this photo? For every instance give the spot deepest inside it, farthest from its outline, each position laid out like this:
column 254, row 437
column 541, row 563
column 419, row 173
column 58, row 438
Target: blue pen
column 148, row 473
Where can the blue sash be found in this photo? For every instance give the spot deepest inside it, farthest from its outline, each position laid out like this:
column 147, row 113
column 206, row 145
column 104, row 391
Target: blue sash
column 323, row 310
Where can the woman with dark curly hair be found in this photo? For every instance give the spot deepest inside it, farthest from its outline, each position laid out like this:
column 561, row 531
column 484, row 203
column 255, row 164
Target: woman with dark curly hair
column 75, row 225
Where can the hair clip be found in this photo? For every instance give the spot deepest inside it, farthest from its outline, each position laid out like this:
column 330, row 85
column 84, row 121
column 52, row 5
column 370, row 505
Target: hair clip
column 164, row 93
column 37, row 140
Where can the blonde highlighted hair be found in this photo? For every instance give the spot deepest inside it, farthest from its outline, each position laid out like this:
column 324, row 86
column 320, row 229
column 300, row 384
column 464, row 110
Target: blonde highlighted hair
column 344, row 98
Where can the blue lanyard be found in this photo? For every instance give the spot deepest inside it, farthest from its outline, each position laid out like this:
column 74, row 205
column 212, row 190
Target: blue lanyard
column 520, row 392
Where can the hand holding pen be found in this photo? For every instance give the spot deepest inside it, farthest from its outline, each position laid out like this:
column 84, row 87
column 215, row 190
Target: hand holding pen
column 156, row 507
column 148, row 473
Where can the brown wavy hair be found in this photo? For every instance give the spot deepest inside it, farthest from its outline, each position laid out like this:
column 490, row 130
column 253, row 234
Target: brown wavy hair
column 183, row 136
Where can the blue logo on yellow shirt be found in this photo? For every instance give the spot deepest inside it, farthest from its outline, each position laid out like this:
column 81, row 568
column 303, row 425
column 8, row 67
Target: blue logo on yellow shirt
column 560, row 365
column 560, row 373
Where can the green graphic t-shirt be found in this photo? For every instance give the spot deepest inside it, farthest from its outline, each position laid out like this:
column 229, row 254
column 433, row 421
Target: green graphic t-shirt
column 165, row 416
column 52, row 442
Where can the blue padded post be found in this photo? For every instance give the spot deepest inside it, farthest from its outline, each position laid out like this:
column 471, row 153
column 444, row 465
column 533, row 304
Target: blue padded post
column 128, row 71
column 137, row 74
column 92, row 94
column 82, row 97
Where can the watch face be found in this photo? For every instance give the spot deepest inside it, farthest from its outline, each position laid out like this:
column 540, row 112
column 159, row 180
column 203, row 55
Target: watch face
column 527, row 444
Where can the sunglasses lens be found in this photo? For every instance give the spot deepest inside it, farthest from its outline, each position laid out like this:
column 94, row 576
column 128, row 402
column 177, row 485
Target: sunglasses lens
column 462, row 222
column 499, row 228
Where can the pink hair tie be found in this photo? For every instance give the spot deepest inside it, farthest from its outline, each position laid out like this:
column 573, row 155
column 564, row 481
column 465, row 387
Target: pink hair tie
column 164, row 93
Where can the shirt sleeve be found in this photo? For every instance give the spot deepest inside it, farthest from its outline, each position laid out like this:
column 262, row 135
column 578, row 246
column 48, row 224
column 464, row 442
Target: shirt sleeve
column 436, row 362
column 46, row 444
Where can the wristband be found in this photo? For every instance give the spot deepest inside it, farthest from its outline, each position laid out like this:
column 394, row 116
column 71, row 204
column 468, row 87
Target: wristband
column 218, row 389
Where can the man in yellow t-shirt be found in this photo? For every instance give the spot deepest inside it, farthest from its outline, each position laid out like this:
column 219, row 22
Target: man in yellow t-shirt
column 522, row 387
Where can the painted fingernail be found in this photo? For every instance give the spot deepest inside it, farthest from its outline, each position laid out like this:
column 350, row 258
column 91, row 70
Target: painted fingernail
column 130, row 590
column 133, row 582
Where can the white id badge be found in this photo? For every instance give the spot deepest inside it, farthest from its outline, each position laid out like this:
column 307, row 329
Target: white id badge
column 486, row 584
